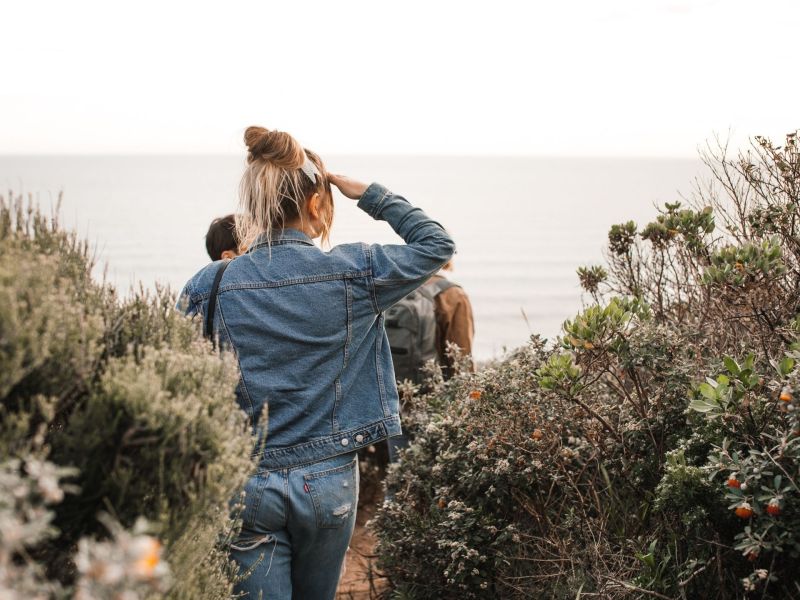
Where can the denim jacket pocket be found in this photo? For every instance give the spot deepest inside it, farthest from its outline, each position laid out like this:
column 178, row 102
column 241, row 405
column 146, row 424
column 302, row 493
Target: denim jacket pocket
column 334, row 493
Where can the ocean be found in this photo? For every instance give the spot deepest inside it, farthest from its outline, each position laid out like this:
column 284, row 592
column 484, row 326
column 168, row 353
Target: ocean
column 522, row 225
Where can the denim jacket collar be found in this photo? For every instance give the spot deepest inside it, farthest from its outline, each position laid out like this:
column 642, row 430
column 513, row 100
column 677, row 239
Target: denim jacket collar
column 279, row 237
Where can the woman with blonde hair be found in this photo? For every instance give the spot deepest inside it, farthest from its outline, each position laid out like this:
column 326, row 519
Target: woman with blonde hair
column 307, row 329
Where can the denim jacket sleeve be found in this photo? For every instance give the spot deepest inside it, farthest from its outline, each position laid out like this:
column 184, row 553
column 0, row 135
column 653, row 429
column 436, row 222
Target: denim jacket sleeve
column 186, row 302
column 398, row 269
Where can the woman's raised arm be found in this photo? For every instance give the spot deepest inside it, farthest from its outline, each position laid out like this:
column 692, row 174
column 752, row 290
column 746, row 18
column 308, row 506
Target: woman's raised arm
column 399, row 269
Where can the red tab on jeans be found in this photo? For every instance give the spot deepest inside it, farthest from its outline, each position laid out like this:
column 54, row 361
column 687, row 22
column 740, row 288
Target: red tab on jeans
column 305, row 487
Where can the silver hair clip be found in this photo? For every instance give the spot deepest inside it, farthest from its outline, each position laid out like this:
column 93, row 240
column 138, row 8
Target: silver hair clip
column 311, row 171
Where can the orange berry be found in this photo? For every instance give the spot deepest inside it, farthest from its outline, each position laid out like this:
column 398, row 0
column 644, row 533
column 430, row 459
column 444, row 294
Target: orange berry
column 743, row 511
column 773, row 508
column 441, row 503
column 734, row 483
column 475, row 394
column 148, row 551
column 537, row 434
column 752, row 556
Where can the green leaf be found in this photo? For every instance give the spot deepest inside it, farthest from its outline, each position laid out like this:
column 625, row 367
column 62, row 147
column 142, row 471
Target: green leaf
column 702, row 406
column 786, row 365
column 707, row 391
column 647, row 559
column 731, row 365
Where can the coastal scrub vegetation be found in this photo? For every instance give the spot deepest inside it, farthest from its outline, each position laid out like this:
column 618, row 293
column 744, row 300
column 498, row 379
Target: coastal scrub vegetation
column 653, row 450
column 121, row 443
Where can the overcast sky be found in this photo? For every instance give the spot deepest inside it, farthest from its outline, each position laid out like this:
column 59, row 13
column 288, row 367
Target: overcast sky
column 563, row 77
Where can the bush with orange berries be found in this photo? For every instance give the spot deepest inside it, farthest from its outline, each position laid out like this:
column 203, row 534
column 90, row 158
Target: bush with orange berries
column 652, row 451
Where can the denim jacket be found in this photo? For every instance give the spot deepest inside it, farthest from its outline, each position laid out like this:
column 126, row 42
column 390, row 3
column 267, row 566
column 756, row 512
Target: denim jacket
column 306, row 327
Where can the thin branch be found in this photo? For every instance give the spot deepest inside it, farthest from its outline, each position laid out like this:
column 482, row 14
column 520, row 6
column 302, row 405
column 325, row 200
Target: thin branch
column 636, row 588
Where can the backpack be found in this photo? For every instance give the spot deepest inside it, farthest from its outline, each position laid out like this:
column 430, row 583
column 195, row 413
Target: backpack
column 411, row 328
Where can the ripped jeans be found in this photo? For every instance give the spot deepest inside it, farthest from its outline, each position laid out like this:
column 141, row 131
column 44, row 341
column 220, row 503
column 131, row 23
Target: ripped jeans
column 297, row 525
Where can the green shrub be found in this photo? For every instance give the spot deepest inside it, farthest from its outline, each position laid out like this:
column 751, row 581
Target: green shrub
column 613, row 464
column 128, row 394
column 756, row 415
column 740, row 265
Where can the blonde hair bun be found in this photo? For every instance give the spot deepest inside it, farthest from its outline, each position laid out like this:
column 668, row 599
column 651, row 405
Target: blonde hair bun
column 275, row 147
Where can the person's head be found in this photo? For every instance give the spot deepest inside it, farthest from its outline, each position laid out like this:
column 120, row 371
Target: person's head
column 283, row 186
column 221, row 238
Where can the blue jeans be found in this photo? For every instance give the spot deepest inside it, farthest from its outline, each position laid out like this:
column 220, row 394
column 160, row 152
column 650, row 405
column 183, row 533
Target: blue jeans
column 297, row 525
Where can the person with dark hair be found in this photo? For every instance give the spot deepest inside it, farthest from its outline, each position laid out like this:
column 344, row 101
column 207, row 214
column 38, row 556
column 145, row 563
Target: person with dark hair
column 422, row 325
column 454, row 320
column 221, row 240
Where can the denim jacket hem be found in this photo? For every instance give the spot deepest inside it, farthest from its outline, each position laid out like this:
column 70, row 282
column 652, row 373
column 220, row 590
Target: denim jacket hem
column 327, row 447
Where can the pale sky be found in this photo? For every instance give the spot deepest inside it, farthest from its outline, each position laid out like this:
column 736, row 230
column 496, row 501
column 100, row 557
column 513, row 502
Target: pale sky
column 566, row 77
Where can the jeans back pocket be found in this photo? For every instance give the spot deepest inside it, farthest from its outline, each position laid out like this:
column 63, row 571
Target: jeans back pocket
column 334, row 493
column 253, row 493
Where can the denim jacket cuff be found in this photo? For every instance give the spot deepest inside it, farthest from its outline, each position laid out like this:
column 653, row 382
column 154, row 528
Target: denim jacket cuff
column 371, row 200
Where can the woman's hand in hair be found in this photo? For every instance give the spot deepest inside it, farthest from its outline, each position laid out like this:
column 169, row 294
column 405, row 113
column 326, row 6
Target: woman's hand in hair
column 349, row 187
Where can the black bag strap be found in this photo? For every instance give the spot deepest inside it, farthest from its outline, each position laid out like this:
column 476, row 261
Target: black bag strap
column 208, row 328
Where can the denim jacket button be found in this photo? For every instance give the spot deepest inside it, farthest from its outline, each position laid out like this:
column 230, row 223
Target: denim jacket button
column 359, row 438
column 345, row 441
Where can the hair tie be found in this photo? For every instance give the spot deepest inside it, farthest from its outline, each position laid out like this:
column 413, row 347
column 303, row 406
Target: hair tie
column 311, row 171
